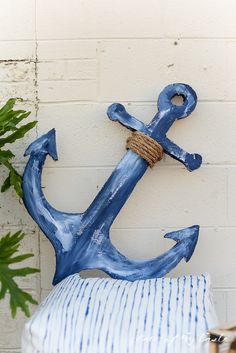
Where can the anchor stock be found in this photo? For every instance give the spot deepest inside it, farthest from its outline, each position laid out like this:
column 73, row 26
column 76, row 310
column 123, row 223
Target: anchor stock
column 81, row 241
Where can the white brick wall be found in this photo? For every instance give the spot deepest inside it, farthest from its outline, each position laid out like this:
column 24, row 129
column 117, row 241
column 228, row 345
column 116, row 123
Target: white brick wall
column 69, row 60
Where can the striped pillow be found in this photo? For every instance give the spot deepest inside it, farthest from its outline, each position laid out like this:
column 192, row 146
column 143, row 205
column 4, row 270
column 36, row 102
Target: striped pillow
column 98, row 315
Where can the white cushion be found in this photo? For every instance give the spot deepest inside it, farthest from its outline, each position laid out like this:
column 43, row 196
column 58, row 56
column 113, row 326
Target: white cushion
column 113, row 316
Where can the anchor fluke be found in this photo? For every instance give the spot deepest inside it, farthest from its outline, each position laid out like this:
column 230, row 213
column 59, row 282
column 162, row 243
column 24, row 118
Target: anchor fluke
column 45, row 144
column 188, row 238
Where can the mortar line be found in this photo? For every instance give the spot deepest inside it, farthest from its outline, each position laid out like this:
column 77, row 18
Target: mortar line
column 130, row 102
column 37, row 132
column 161, row 38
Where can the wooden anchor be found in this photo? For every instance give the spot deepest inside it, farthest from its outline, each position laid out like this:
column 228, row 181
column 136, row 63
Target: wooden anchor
column 81, row 241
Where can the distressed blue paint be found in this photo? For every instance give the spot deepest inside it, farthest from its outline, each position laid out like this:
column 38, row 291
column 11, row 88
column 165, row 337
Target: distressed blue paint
column 81, row 241
column 92, row 315
column 197, row 308
column 110, row 320
column 191, row 303
column 161, row 310
column 146, row 316
column 97, row 313
column 182, row 311
column 204, row 303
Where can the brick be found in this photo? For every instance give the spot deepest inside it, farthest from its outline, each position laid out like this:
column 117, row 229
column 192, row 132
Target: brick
column 69, row 189
column 174, row 197
column 17, row 20
column 53, row 70
column 206, row 131
column 231, row 305
column 231, row 194
column 67, row 49
column 98, row 19
column 205, row 19
column 85, row 136
column 139, row 243
column 25, row 90
column 17, row 50
column 219, row 300
column 140, row 69
column 14, row 71
column 59, row 91
column 12, row 329
column 67, row 69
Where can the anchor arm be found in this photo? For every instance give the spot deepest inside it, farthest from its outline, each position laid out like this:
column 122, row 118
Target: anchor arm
column 186, row 240
column 57, row 226
column 98, row 252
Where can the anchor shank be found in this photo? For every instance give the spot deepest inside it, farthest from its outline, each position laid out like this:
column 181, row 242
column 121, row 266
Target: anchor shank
column 115, row 191
column 160, row 124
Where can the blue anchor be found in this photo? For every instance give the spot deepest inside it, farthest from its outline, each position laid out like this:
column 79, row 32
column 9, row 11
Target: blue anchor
column 81, row 241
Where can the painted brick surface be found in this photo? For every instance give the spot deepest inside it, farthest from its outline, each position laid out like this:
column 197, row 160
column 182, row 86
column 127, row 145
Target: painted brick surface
column 171, row 61
column 102, row 19
column 17, row 50
column 17, row 20
column 11, row 330
column 66, row 49
column 69, row 60
column 204, row 19
column 181, row 198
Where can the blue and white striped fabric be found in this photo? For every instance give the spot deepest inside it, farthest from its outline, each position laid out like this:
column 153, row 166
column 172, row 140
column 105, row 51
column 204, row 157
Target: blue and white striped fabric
column 98, row 315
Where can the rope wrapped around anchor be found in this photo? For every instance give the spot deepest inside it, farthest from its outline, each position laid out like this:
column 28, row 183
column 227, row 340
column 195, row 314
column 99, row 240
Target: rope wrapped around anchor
column 145, row 146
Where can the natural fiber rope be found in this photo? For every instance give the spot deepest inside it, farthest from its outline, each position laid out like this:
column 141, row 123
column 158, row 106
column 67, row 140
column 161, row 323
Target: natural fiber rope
column 145, row 146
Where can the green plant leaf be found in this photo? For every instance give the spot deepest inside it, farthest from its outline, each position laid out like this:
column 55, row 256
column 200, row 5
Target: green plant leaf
column 9, row 120
column 7, row 107
column 14, row 179
column 9, row 246
column 6, row 184
column 5, row 156
column 12, row 119
column 16, row 182
column 18, row 134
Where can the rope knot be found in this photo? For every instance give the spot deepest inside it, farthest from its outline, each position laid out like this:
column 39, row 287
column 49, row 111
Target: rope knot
column 145, row 146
